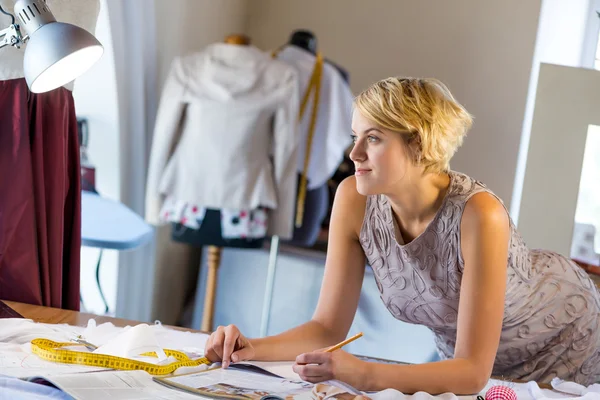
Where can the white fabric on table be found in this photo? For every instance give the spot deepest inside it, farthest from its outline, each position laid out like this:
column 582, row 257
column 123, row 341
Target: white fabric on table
column 17, row 360
column 524, row 391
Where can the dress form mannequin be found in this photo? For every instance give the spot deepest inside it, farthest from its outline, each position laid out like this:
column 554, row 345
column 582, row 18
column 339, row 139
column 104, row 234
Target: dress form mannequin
column 250, row 101
column 317, row 200
column 305, row 40
column 214, row 251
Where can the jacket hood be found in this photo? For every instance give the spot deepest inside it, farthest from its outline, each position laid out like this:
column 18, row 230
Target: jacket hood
column 230, row 71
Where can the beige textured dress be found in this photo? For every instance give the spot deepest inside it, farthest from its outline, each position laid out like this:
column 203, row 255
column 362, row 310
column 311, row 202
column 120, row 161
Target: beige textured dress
column 551, row 310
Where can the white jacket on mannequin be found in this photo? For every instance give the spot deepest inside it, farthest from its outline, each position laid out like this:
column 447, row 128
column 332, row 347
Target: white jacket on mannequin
column 226, row 135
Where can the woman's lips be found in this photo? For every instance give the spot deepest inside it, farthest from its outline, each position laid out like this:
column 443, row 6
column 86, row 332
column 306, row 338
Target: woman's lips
column 362, row 171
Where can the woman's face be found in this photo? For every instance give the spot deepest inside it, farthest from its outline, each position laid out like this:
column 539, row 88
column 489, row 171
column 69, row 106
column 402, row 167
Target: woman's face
column 380, row 156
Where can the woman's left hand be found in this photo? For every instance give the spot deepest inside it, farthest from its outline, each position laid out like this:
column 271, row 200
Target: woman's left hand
column 320, row 366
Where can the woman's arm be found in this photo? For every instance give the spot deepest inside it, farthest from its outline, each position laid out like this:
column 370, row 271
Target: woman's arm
column 340, row 290
column 485, row 234
column 484, row 245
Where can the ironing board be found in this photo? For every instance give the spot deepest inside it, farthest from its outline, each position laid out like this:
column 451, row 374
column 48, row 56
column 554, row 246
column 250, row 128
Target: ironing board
column 108, row 224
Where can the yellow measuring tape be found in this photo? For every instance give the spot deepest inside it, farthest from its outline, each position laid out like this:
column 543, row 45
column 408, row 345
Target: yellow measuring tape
column 54, row 352
column 314, row 86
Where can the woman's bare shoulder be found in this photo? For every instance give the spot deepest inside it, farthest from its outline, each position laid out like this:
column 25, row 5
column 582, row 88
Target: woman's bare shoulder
column 347, row 189
column 350, row 205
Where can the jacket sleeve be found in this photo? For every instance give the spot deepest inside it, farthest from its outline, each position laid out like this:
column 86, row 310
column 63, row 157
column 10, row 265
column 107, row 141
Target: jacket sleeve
column 286, row 137
column 164, row 140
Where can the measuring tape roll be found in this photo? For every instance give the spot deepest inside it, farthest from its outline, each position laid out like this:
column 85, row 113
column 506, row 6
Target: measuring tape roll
column 54, row 352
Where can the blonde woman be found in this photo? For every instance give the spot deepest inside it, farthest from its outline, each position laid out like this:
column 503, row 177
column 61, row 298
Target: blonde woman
column 445, row 254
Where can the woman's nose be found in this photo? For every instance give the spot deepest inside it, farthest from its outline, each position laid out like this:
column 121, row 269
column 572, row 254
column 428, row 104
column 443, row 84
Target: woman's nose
column 358, row 153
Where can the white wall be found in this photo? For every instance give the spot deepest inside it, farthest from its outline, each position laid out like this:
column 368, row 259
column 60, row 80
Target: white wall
column 483, row 50
column 189, row 25
column 95, row 96
column 562, row 37
column 590, row 42
column 562, row 31
column 567, row 102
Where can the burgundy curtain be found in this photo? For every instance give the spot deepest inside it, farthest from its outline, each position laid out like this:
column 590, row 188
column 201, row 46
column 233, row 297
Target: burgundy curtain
column 40, row 197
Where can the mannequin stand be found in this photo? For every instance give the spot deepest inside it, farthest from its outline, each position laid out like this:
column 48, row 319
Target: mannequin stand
column 213, row 262
column 209, row 238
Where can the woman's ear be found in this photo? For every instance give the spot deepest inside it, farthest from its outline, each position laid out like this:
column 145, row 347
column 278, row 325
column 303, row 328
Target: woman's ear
column 414, row 147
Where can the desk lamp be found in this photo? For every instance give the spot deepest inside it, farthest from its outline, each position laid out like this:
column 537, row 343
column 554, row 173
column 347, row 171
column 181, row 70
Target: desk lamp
column 56, row 52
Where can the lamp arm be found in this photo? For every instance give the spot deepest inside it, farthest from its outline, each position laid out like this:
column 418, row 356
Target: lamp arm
column 11, row 36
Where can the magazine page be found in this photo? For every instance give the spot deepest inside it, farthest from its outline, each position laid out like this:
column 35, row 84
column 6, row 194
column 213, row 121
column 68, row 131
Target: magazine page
column 113, row 385
column 283, row 369
column 231, row 383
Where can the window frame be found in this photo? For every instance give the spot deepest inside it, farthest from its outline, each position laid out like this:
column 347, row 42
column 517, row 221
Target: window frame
column 592, row 35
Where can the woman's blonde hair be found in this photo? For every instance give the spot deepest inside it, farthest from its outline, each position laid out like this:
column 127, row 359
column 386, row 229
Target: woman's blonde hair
column 422, row 110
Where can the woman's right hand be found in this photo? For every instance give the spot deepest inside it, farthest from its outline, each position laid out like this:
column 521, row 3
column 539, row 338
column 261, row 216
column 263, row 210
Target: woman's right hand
column 227, row 344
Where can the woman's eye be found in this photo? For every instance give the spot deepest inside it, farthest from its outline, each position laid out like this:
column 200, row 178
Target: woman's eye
column 370, row 139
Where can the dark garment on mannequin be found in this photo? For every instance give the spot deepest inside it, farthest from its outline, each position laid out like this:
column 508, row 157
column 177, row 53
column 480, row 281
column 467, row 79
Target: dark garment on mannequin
column 210, row 234
column 40, row 197
column 315, row 210
column 343, row 72
column 306, row 40
column 319, row 202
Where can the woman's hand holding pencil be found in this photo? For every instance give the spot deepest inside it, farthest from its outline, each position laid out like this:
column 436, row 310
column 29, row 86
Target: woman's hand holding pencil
column 332, row 363
column 343, row 343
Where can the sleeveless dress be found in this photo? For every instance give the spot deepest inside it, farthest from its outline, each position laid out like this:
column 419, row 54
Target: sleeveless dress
column 551, row 310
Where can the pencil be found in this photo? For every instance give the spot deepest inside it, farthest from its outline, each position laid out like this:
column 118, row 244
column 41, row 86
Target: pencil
column 345, row 342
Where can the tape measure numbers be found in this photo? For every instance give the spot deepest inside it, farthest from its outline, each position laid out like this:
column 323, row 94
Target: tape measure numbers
column 54, row 352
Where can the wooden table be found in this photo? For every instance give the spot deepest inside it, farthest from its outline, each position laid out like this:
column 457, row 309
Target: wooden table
column 57, row 316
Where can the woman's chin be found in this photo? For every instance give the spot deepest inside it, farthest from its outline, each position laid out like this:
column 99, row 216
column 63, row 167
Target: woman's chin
column 365, row 189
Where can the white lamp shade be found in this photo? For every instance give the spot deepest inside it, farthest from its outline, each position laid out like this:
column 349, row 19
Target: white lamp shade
column 56, row 54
